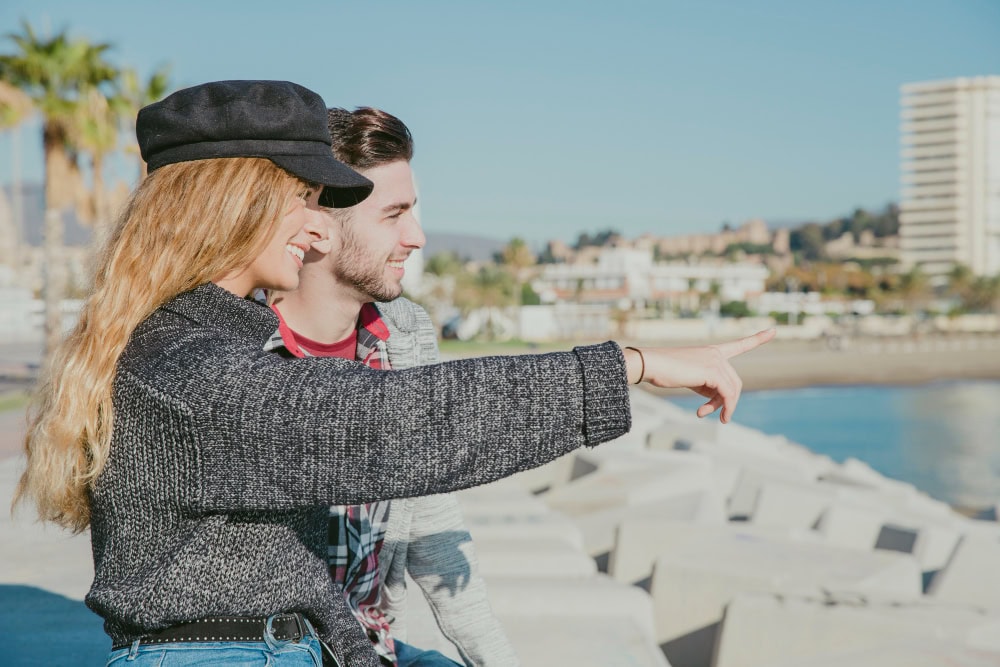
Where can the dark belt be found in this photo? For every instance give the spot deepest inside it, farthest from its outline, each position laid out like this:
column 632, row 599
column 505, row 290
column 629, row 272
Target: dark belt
column 284, row 627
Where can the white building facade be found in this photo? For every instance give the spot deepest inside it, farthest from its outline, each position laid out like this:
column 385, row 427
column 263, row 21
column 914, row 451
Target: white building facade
column 950, row 173
column 628, row 278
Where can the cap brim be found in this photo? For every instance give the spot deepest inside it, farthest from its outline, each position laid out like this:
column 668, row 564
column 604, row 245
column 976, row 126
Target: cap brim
column 343, row 186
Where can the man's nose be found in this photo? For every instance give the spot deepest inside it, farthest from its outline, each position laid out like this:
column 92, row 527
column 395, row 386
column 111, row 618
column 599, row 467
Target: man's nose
column 413, row 236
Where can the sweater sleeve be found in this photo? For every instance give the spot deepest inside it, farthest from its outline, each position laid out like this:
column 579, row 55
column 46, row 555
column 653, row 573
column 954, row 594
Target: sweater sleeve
column 273, row 433
column 442, row 561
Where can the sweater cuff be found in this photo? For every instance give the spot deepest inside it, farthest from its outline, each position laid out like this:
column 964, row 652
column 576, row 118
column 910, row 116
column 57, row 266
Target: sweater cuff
column 607, row 412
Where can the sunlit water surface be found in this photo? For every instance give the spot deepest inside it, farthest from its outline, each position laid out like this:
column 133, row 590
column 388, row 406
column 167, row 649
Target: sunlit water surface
column 944, row 437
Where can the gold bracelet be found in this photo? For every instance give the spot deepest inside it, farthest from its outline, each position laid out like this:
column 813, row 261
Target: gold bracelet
column 642, row 360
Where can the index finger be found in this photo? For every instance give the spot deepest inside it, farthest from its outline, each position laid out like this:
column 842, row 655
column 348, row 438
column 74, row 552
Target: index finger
column 736, row 347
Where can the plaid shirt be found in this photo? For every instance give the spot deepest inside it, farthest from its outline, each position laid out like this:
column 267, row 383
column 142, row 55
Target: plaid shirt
column 356, row 532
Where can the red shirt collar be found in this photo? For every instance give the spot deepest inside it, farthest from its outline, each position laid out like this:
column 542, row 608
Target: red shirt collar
column 369, row 319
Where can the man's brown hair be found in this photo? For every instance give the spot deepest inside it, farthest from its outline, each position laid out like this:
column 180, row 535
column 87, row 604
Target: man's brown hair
column 367, row 137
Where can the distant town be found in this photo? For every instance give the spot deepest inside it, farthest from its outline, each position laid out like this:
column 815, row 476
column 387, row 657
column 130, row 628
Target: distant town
column 844, row 275
column 839, row 277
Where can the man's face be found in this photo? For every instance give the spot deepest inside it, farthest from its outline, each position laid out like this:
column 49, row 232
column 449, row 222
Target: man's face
column 374, row 238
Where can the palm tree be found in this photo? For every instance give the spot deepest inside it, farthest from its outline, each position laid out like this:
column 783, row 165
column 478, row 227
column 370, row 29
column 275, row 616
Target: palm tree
column 134, row 94
column 960, row 282
column 54, row 72
column 517, row 256
column 915, row 288
column 984, row 295
column 15, row 107
column 95, row 131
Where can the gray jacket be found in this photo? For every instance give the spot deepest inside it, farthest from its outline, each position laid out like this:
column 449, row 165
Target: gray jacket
column 427, row 536
column 225, row 459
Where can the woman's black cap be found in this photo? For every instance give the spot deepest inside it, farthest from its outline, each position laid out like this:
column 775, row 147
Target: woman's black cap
column 278, row 120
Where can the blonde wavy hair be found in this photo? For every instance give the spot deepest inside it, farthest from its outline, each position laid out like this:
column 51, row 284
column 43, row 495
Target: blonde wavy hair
column 186, row 224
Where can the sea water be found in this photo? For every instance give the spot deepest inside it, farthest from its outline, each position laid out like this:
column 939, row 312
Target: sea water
column 944, row 437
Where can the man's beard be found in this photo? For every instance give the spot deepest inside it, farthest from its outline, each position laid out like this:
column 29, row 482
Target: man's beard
column 363, row 271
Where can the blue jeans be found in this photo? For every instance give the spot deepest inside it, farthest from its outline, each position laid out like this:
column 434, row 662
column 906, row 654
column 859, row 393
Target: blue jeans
column 409, row 656
column 269, row 652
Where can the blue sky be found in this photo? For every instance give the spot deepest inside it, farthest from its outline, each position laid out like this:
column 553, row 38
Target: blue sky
column 544, row 119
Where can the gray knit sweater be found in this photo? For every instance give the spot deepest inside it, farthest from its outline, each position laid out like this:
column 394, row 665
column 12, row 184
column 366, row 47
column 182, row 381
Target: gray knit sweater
column 225, row 458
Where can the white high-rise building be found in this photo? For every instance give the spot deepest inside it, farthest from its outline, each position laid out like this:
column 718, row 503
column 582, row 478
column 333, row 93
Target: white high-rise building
column 950, row 173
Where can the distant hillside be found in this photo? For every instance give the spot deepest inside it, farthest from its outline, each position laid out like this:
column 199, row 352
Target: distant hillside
column 466, row 246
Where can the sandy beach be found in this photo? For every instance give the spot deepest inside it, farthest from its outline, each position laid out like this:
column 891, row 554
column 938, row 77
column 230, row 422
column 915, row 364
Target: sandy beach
column 787, row 364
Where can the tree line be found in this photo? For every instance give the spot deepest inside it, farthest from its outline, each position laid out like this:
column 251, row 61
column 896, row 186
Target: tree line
column 87, row 104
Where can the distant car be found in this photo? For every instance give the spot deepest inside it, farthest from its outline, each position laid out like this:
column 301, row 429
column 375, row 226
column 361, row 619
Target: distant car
column 449, row 330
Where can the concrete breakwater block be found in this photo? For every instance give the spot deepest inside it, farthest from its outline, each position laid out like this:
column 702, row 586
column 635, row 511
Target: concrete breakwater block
column 500, row 505
column 551, row 526
column 536, row 558
column 911, row 653
column 598, row 596
column 851, row 525
column 977, row 528
column 599, row 529
column 991, row 513
column 681, row 434
column 630, row 480
column 599, row 502
column 861, row 517
column 642, row 399
column 767, row 630
column 752, row 478
column 971, row 576
column 703, row 569
column 610, row 460
column 554, row 622
column 931, row 541
column 797, row 504
column 746, row 468
column 640, row 540
column 581, row 642
column 552, row 474
column 853, row 472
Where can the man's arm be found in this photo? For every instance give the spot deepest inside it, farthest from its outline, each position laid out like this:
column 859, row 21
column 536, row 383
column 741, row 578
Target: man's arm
column 442, row 561
column 434, row 545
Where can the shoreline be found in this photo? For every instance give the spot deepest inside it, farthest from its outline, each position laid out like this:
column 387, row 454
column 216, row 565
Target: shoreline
column 796, row 364
column 801, row 364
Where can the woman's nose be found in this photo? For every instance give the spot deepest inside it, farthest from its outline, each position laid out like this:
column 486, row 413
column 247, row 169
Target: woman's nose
column 316, row 226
